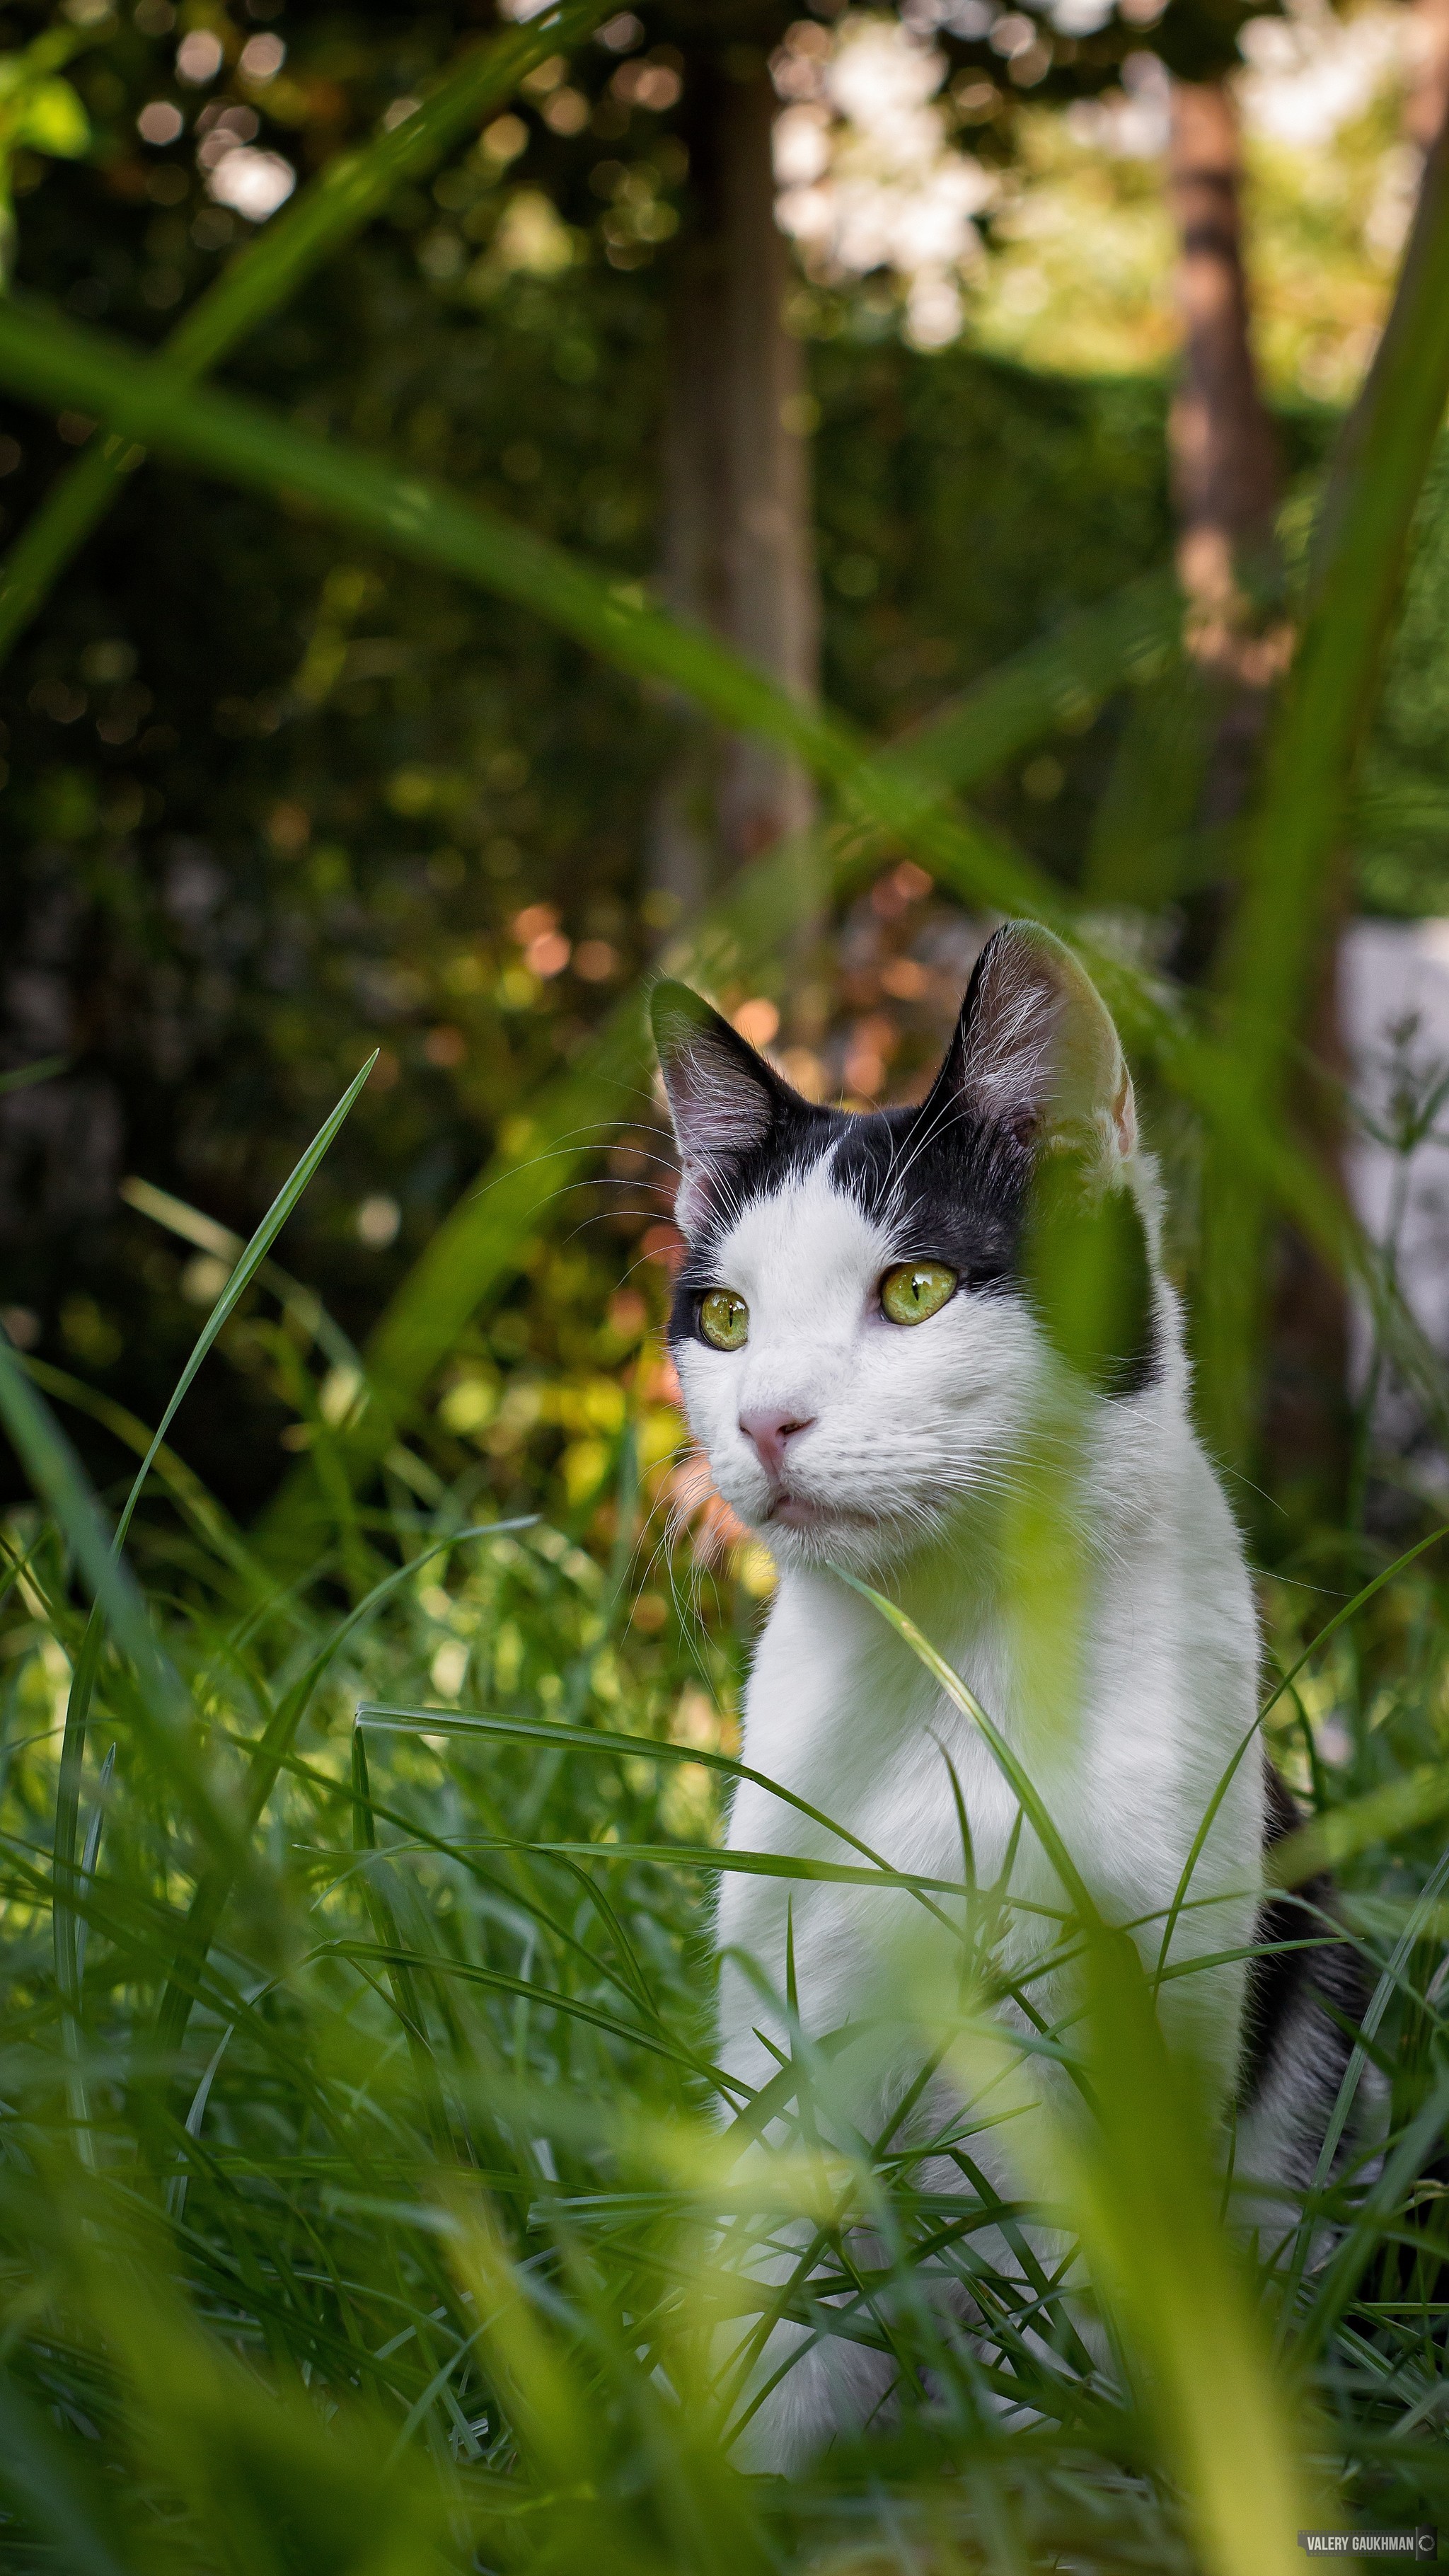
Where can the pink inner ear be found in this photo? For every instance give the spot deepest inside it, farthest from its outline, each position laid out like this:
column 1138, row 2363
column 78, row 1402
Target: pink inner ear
column 1042, row 1053
column 713, row 1119
column 1124, row 1117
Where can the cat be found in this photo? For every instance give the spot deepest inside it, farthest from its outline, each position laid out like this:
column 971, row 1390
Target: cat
column 935, row 1347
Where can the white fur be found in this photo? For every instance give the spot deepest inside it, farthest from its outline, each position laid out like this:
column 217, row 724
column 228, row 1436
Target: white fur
column 923, row 1443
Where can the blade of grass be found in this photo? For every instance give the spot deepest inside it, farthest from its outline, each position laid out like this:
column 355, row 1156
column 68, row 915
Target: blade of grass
column 594, row 1741
column 59, row 1479
column 1145, row 2192
column 41, row 2474
column 1340, row 1619
column 1334, row 2290
column 70, row 2027
column 57, row 1476
column 393, row 1954
column 24, row 1075
column 1352, row 2077
column 51, row 359
column 87, row 1666
column 212, row 1890
column 410, row 1838
column 827, row 1873
column 301, row 1303
column 186, row 1489
column 346, row 195
column 41, row 351
column 1397, row 1807
column 1133, row 636
column 246, row 1270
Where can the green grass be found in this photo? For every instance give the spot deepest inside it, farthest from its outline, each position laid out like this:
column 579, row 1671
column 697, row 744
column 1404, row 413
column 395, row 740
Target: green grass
column 370, row 2201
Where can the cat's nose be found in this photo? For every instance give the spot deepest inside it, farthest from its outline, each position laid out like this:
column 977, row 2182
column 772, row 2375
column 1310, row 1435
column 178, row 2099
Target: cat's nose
column 768, row 1429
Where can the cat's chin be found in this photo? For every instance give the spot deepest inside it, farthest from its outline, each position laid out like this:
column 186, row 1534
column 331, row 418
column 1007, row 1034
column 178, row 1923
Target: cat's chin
column 801, row 1531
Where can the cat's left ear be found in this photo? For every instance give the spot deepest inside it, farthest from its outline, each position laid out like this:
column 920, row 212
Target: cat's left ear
column 722, row 1096
column 1036, row 1052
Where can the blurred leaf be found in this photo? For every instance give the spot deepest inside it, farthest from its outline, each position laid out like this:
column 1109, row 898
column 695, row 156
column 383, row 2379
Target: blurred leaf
column 1153, row 792
column 1146, row 2198
column 40, row 2472
column 43, row 1070
column 53, row 120
column 1382, row 1815
column 56, row 1474
column 270, row 2485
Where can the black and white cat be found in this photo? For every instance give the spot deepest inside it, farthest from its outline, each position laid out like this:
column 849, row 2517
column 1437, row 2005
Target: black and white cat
column 935, row 1346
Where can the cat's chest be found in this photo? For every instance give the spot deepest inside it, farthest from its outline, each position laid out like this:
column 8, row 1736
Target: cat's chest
column 857, row 1735
column 868, row 1765
column 844, row 1721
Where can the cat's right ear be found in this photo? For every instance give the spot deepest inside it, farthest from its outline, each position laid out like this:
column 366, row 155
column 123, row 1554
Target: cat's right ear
column 722, row 1096
column 1035, row 1052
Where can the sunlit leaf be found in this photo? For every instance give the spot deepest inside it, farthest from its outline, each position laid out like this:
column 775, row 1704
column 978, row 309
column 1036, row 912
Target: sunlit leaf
column 54, row 121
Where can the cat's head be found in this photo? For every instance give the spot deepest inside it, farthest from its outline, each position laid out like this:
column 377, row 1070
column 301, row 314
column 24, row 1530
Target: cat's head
column 874, row 1309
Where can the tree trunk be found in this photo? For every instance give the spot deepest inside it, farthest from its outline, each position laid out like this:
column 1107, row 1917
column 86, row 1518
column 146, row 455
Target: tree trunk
column 1224, row 453
column 737, row 554
column 1188, row 752
column 1225, row 487
column 1307, row 1416
column 1226, row 480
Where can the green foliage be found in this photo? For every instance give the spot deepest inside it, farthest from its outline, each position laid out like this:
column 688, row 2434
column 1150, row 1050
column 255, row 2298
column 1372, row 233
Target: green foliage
column 353, row 188
column 370, row 2201
column 48, row 116
column 40, row 113
column 407, row 2238
column 1327, row 699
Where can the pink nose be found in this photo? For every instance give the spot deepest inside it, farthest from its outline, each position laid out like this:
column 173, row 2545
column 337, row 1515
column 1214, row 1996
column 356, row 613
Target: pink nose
column 769, row 1429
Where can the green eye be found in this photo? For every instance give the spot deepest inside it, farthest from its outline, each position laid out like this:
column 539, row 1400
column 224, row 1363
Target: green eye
column 724, row 1319
column 914, row 1291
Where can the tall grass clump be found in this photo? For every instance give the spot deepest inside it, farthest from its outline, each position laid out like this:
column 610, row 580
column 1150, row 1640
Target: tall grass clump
column 370, row 2199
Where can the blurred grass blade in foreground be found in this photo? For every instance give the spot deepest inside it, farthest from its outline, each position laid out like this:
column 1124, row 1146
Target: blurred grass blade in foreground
column 1292, row 892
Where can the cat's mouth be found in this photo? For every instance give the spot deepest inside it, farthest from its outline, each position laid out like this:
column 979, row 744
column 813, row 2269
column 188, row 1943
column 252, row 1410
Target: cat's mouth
column 787, row 1510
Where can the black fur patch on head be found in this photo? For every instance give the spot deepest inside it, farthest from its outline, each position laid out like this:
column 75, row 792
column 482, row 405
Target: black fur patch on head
column 947, row 1185
column 1003, row 1173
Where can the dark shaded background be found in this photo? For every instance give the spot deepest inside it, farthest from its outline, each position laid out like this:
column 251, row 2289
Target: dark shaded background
column 273, row 799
